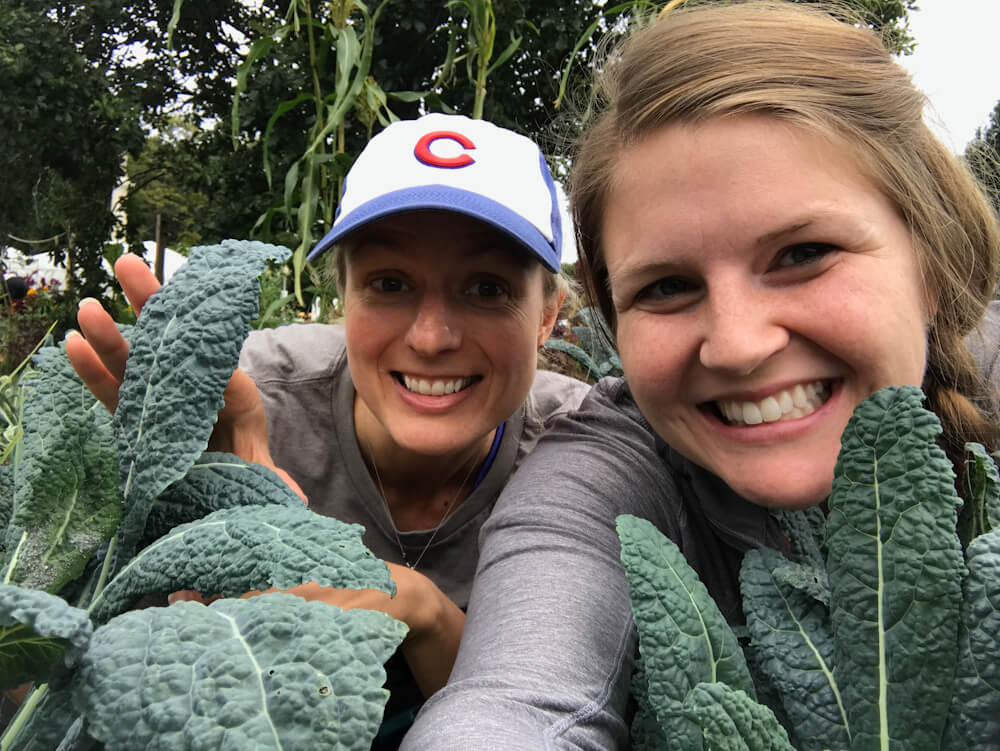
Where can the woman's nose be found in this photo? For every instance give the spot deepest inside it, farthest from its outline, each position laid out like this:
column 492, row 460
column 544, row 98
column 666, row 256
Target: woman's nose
column 742, row 333
column 435, row 328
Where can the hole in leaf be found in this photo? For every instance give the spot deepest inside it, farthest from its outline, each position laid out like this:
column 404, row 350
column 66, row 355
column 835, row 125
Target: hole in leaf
column 324, row 690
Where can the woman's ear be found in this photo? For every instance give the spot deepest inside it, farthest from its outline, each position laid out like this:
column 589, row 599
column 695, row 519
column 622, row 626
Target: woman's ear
column 550, row 311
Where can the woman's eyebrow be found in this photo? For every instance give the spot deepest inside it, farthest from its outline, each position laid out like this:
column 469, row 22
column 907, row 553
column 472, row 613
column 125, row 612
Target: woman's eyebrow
column 789, row 229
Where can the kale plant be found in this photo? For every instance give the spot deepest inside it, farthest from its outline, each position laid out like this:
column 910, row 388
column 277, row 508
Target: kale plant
column 594, row 353
column 883, row 632
column 103, row 511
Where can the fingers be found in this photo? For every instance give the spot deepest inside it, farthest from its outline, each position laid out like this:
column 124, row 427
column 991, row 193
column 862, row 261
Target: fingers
column 103, row 336
column 99, row 355
column 92, row 371
column 190, row 595
column 137, row 280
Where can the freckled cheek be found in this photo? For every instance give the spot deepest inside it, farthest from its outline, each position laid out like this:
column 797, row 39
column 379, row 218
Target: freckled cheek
column 653, row 364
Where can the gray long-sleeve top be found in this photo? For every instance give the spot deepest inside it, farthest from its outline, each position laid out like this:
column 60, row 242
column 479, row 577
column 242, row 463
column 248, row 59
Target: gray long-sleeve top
column 549, row 642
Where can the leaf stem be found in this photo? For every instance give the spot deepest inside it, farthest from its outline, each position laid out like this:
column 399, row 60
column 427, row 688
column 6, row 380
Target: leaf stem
column 21, row 718
column 105, row 568
column 13, row 559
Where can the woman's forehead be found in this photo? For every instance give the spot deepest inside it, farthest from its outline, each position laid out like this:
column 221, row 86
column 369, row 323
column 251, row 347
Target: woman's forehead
column 410, row 230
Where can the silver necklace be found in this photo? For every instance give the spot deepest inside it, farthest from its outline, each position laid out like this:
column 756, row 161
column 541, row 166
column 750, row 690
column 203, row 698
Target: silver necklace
column 447, row 512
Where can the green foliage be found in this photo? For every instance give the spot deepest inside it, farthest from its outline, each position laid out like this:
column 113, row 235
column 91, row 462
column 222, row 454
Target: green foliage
column 983, row 156
column 589, row 345
column 216, row 481
column 70, row 464
column 65, row 134
column 240, row 673
column 877, row 636
column 266, row 546
column 683, row 638
column 981, row 511
column 164, row 186
column 37, row 632
column 26, row 323
column 730, row 720
column 184, row 349
column 895, row 568
column 274, row 671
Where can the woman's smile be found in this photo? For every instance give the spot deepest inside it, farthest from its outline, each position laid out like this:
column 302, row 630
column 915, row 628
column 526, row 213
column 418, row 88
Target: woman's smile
column 763, row 287
column 444, row 316
column 786, row 404
column 429, row 386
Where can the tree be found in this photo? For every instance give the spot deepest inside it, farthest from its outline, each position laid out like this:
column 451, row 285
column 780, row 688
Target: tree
column 108, row 69
column 983, row 156
column 64, row 138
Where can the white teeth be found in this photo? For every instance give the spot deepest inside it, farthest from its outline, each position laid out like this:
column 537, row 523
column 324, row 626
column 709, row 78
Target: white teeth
column 785, row 402
column 799, row 396
column 770, row 410
column 435, row 388
column 789, row 404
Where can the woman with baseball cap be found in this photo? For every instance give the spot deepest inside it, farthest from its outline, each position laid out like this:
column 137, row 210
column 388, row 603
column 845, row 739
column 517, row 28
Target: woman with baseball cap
column 409, row 417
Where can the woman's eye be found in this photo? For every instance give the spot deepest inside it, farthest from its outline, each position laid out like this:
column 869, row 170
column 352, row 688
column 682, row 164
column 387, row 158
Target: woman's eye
column 388, row 284
column 487, row 289
column 665, row 289
column 803, row 254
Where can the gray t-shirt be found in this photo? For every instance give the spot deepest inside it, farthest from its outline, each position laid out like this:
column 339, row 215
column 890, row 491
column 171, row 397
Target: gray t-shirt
column 301, row 372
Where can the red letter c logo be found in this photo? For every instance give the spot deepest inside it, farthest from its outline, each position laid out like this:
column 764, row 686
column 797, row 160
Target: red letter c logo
column 422, row 150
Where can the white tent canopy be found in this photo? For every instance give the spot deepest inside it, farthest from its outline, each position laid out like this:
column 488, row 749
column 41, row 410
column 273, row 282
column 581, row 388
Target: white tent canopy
column 41, row 266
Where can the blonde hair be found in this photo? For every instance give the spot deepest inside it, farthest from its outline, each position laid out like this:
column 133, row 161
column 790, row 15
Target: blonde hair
column 835, row 79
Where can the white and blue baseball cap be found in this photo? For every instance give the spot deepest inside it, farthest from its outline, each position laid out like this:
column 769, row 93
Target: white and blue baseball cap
column 452, row 163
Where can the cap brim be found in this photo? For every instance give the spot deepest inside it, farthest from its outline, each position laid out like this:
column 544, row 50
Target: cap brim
column 444, row 198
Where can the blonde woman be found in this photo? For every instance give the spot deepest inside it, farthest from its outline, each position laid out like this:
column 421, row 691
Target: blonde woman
column 410, row 417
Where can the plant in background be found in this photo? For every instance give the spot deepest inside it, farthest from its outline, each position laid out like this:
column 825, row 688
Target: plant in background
column 481, row 37
column 344, row 40
column 588, row 345
column 883, row 632
column 105, row 510
column 30, row 309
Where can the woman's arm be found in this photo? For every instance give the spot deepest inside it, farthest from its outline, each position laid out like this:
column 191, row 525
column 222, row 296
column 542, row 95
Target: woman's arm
column 547, row 654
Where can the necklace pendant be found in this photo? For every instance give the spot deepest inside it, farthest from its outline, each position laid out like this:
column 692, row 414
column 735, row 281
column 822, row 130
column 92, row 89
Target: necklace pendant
column 408, row 564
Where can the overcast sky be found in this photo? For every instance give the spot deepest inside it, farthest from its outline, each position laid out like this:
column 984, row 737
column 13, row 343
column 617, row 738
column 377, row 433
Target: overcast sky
column 957, row 64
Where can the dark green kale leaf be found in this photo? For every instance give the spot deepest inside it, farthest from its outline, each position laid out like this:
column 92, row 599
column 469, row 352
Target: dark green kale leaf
column 249, row 548
column 215, row 482
column 38, row 632
column 184, row 349
column 895, row 566
column 66, row 498
column 269, row 672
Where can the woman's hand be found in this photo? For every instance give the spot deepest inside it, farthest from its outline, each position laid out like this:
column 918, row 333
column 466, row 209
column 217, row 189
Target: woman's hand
column 435, row 622
column 99, row 359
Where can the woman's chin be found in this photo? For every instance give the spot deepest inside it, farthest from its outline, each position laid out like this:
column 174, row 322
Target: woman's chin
column 784, row 498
